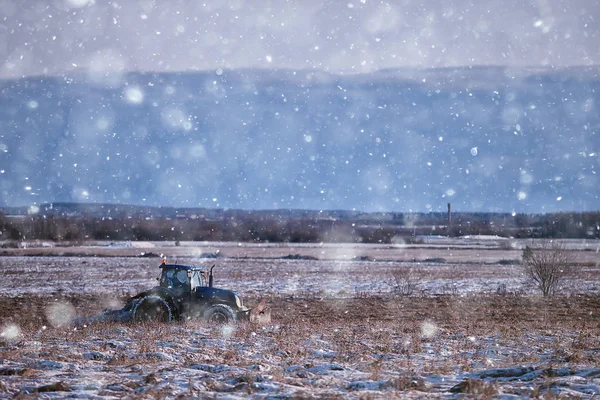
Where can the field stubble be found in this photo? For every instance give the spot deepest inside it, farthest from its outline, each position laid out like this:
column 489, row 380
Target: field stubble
column 348, row 339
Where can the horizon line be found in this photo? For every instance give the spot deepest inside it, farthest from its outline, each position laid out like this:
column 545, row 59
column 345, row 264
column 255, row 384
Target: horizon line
column 86, row 71
column 454, row 211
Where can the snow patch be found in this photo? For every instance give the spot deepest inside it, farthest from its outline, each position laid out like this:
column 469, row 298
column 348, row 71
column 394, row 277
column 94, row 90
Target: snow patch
column 140, row 245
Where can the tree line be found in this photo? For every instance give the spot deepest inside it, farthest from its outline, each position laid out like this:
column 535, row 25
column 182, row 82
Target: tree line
column 282, row 228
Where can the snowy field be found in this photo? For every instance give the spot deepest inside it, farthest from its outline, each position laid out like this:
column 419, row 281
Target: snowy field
column 343, row 326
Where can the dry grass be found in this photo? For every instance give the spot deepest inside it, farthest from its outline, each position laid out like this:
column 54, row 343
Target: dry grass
column 474, row 314
column 391, row 345
column 279, row 251
column 476, row 387
column 319, row 345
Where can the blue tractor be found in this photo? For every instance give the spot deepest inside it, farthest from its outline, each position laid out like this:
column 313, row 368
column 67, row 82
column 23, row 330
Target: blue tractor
column 185, row 292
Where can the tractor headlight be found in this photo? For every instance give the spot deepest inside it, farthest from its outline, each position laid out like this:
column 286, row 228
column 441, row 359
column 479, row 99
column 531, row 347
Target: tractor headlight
column 238, row 301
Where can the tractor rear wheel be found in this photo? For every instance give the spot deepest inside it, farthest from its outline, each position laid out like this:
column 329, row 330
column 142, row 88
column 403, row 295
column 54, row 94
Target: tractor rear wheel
column 220, row 314
column 152, row 308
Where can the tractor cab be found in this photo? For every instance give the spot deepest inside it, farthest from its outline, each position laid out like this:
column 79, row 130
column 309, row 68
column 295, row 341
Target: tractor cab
column 183, row 278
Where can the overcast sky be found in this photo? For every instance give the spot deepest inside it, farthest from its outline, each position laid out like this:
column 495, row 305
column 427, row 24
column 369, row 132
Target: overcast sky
column 55, row 36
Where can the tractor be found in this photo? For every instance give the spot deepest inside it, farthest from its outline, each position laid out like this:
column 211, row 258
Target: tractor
column 186, row 292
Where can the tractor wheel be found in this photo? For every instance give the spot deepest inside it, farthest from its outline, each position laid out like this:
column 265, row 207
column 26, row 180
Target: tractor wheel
column 220, row 314
column 152, row 308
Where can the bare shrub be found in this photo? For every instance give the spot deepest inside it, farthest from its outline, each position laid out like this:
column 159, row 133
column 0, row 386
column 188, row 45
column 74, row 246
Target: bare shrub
column 405, row 282
column 362, row 294
column 450, row 289
column 548, row 266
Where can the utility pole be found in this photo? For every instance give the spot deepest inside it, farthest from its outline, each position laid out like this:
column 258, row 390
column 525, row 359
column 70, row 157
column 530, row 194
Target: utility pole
column 449, row 219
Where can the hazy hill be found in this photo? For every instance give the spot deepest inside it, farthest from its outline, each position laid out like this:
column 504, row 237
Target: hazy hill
column 489, row 139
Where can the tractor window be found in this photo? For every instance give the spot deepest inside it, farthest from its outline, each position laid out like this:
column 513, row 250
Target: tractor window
column 166, row 280
column 175, row 279
column 181, row 278
column 196, row 279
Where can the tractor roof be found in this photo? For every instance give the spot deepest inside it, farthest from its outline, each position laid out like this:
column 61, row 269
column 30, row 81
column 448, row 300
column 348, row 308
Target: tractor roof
column 184, row 267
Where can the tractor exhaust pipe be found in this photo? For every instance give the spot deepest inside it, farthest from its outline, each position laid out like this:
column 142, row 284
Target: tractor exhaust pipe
column 210, row 277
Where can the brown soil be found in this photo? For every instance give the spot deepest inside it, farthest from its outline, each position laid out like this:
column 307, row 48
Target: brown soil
column 487, row 312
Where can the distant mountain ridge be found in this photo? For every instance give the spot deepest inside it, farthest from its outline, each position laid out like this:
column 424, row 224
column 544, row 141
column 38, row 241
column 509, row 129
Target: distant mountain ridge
column 485, row 138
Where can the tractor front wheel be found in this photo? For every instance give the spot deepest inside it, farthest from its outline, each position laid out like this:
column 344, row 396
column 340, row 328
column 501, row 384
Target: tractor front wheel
column 220, row 314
